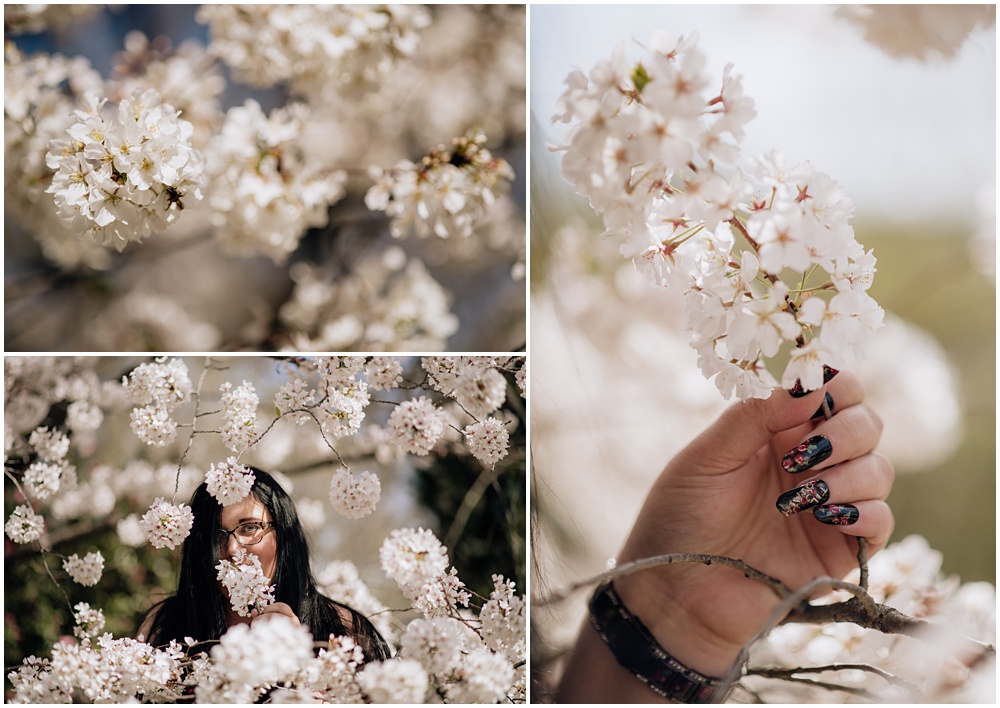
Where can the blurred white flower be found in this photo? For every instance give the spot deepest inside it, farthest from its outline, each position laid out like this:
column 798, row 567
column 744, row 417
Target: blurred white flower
column 918, row 31
column 87, row 570
column 413, row 557
column 41, row 479
column 354, row 496
column 88, row 622
column 265, row 191
column 447, row 194
column 396, row 681
column 130, row 531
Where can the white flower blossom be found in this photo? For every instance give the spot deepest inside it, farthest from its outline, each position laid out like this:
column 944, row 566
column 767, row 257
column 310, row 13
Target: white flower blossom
column 413, row 557
column 89, row 622
column 229, row 481
column 487, row 440
column 447, row 194
column 245, row 582
column 51, row 445
column 354, row 496
column 24, row 525
column 240, row 415
column 438, row 597
column 344, row 409
column 130, row 531
column 644, row 146
column 340, row 580
column 416, row 425
column 41, row 479
column 166, row 524
column 87, row 570
column 118, row 179
column 383, row 373
column 295, row 395
column 482, row 677
column 266, row 190
column 237, row 654
column 395, row 681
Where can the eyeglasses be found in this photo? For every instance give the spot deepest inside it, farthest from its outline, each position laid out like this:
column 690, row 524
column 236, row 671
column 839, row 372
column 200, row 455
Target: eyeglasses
column 249, row 533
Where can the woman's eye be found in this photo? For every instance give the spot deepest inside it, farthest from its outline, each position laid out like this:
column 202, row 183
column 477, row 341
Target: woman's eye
column 251, row 528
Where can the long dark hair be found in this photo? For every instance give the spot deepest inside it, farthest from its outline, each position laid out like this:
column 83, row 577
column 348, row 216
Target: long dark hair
column 199, row 609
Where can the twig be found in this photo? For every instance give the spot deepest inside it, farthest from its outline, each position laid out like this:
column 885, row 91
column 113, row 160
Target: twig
column 780, row 672
column 196, row 395
column 862, row 557
column 779, row 588
column 469, row 503
column 853, row 690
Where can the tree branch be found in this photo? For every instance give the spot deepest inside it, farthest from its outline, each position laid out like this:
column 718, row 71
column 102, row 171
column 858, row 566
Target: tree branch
column 785, row 673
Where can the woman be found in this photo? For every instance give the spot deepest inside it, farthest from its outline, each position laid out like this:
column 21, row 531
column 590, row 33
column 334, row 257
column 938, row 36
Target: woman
column 266, row 524
column 719, row 497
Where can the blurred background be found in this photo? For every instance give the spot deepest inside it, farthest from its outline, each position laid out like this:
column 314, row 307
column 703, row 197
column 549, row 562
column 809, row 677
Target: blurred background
column 177, row 291
column 478, row 512
column 897, row 107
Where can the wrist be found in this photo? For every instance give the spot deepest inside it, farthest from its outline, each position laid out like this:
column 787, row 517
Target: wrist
column 668, row 604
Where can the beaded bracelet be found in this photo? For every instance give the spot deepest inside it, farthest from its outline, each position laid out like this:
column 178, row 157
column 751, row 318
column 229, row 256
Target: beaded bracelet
column 641, row 655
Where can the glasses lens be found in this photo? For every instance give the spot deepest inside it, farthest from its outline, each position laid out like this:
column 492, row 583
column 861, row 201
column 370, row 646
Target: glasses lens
column 249, row 534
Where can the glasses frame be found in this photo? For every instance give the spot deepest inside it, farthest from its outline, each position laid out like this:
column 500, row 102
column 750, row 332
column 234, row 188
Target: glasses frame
column 266, row 524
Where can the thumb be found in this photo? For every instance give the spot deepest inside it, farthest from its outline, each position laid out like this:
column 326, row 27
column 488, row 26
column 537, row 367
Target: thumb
column 745, row 427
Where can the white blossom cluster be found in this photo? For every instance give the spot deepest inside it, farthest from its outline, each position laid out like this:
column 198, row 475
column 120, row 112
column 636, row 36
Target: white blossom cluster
column 229, row 481
column 245, row 582
column 88, row 622
column 389, row 302
column 39, row 17
column 400, row 681
column 448, row 194
column 918, row 31
column 464, row 666
column 473, row 381
column 487, row 440
column 265, row 190
column 118, row 179
column 905, row 575
column 417, row 425
column 763, row 251
column 240, row 414
column 340, row 581
column 157, row 388
column 167, row 525
column 313, row 48
column 236, row 666
column 354, row 496
column 86, row 571
column 24, row 525
column 40, row 95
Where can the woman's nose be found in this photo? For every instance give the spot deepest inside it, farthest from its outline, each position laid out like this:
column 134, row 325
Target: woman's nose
column 231, row 545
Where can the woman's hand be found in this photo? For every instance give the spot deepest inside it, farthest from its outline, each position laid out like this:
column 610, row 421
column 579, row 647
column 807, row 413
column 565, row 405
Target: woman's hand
column 719, row 496
column 274, row 610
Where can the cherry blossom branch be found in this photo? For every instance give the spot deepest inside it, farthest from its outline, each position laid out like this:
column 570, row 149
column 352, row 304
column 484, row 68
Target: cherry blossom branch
column 787, row 673
column 469, row 503
column 853, row 690
column 196, row 396
column 779, row 588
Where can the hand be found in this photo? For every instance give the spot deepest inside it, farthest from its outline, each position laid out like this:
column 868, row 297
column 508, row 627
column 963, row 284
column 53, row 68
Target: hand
column 273, row 610
column 718, row 496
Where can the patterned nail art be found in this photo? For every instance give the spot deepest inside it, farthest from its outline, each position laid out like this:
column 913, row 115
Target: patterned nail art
column 796, row 391
column 808, row 454
column 819, row 411
column 810, row 494
column 837, row 514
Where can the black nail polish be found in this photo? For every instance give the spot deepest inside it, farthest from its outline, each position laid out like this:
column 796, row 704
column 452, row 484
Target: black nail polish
column 837, row 514
column 810, row 494
column 807, row 455
column 797, row 391
column 829, row 403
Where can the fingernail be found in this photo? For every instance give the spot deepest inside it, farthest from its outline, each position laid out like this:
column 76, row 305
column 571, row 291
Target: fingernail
column 829, row 404
column 837, row 514
column 797, row 391
column 807, row 496
column 808, row 454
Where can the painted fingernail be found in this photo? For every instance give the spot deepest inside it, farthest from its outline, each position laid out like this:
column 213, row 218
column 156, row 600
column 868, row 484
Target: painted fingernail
column 837, row 514
column 810, row 494
column 829, row 404
column 807, row 455
column 797, row 391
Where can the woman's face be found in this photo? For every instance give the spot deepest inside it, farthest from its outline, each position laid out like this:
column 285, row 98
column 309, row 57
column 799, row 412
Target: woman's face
column 250, row 510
